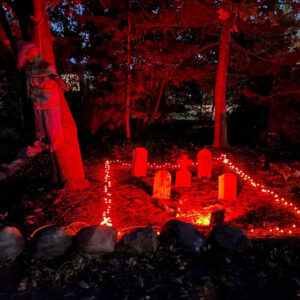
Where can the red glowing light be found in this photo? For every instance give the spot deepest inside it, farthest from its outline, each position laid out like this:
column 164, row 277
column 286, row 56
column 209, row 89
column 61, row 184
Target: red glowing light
column 139, row 160
column 200, row 217
column 227, row 186
column 162, row 185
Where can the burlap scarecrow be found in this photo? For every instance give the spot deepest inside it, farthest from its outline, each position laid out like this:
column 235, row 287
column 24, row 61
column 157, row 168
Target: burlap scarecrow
column 43, row 88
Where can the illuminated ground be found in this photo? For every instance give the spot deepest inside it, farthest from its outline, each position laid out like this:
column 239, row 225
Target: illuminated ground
column 258, row 210
column 263, row 211
column 267, row 213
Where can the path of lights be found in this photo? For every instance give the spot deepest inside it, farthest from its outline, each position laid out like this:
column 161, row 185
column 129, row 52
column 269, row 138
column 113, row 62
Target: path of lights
column 281, row 201
column 106, row 220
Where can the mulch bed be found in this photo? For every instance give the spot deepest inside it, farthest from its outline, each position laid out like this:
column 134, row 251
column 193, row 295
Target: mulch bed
column 270, row 270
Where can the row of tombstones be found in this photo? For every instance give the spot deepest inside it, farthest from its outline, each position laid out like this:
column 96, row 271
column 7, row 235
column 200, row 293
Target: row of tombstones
column 227, row 189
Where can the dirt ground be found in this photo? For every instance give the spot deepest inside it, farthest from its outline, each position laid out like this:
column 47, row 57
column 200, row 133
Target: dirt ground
column 271, row 270
column 132, row 203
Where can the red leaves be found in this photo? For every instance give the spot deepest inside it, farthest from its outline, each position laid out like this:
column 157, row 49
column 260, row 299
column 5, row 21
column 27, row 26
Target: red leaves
column 223, row 14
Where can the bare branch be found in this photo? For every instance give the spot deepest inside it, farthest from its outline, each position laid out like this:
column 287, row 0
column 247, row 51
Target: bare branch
column 249, row 52
column 267, row 98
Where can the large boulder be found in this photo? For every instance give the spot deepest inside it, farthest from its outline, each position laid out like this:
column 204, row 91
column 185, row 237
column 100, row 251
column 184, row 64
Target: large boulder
column 138, row 241
column 11, row 243
column 96, row 239
column 50, row 242
column 230, row 238
column 179, row 236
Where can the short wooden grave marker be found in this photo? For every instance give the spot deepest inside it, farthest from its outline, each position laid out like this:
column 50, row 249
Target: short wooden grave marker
column 162, row 185
column 227, row 186
column 204, row 159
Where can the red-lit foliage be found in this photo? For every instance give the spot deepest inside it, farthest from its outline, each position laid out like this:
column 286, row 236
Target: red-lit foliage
column 172, row 42
column 175, row 42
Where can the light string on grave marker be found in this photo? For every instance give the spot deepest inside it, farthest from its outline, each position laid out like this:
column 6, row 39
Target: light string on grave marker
column 223, row 158
column 106, row 220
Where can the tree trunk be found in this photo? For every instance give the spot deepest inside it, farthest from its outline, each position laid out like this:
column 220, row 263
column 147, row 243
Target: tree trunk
column 128, row 79
column 161, row 91
column 68, row 154
column 41, row 35
column 220, row 137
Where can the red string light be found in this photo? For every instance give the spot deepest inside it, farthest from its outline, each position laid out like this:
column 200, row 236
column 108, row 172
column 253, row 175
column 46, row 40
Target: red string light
column 281, row 201
column 106, row 220
column 262, row 188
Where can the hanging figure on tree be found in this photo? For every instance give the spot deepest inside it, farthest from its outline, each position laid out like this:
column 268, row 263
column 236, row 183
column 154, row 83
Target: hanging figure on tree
column 43, row 88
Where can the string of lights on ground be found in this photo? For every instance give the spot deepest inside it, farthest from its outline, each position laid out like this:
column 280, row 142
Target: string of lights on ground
column 279, row 201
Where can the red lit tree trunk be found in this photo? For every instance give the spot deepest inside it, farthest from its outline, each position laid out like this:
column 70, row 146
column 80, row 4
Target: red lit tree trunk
column 220, row 137
column 128, row 79
column 68, row 154
column 161, row 91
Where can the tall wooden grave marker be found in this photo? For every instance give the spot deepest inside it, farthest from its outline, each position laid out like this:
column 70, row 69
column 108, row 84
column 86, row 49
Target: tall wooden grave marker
column 204, row 163
column 183, row 176
column 139, row 162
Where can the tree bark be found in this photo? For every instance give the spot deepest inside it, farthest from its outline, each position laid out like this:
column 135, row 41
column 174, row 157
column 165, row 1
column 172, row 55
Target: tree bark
column 220, row 136
column 161, row 91
column 128, row 79
column 68, row 154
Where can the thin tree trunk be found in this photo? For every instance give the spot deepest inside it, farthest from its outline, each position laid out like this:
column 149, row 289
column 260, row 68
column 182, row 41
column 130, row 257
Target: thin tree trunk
column 128, row 81
column 212, row 112
column 68, row 153
column 220, row 137
column 162, row 86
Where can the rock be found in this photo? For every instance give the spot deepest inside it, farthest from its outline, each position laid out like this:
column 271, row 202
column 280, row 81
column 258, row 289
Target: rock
column 96, row 239
column 180, row 236
column 51, row 242
column 2, row 176
column 140, row 240
column 230, row 238
column 11, row 243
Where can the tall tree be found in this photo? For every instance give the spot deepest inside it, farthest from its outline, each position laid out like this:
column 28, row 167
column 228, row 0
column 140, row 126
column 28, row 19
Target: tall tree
column 128, row 73
column 68, row 154
column 220, row 137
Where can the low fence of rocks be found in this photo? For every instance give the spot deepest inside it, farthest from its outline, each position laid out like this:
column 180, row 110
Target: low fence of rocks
column 50, row 242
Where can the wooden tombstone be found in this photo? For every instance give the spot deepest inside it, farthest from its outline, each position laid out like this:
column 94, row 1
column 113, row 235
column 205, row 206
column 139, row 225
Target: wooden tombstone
column 162, row 185
column 139, row 162
column 227, row 186
column 217, row 217
column 204, row 159
column 184, row 176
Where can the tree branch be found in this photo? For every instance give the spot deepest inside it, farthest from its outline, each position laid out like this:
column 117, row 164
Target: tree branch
column 171, row 25
column 250, row 94
column 249, row 52
column 200, row 51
